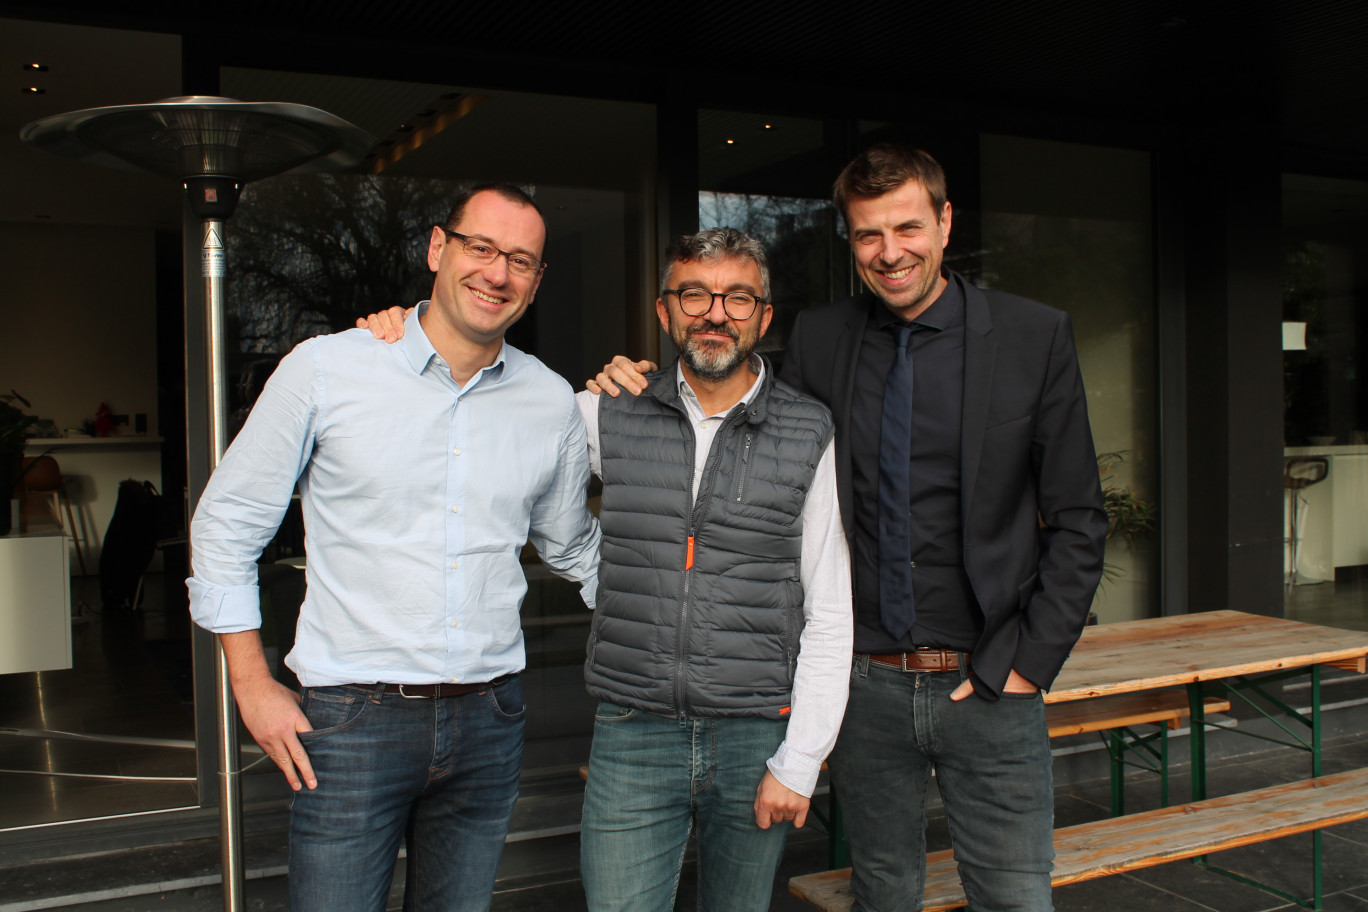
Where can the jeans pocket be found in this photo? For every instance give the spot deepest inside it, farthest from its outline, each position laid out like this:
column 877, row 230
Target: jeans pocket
column 1033, row 695
column 507, row 700
column 330, row 710
column 611, row 712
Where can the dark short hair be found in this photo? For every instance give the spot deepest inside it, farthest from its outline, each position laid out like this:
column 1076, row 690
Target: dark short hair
column 711, row 245
column 510, row 192
column 883, row 168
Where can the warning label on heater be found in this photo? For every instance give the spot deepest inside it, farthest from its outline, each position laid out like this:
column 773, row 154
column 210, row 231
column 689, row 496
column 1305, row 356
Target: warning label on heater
column 213, row 263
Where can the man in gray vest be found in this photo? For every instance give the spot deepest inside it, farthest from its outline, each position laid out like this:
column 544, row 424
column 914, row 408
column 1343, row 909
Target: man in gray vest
column 721, row 638
column 721, row 641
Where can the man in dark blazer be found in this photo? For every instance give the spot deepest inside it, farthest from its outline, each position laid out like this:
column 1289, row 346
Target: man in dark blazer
column 969, row 491
column 966, row 607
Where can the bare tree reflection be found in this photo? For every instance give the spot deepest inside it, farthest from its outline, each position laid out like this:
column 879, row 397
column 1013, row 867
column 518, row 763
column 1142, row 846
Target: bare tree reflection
column 309, row 253
column 808, row 261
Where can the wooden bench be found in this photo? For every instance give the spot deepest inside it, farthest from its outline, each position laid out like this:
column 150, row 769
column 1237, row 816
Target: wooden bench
column 1115, row 715
column 1118, row 844
column 1167, row 707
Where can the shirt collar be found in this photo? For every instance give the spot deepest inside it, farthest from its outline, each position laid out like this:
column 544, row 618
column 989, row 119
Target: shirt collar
column 756, row 365
column 946, row 312
column 420, row 353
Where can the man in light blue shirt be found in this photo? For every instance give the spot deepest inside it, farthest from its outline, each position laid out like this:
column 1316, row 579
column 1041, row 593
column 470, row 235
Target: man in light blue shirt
column 423, row 467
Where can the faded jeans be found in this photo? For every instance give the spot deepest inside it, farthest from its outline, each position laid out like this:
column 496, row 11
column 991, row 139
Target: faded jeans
column 650, row 779
column 443, row 770
column 992, row 765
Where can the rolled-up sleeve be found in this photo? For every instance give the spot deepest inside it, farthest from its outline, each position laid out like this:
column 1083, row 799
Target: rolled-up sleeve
column 247, row 496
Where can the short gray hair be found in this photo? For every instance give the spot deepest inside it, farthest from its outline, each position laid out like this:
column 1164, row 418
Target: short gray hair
column 711, row 245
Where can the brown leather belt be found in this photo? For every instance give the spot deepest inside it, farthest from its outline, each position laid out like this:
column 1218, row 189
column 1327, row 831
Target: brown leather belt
column 921, row 660
column 434, row 691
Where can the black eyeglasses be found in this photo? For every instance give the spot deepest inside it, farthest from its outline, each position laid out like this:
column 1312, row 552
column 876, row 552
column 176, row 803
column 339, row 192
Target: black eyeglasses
column 696, row 302
column 520, row 264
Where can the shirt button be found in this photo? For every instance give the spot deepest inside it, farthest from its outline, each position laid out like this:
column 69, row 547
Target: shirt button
column 455, row 509
column 456, row 452
column 454, row 681
column 455, row 624
column 453, row 565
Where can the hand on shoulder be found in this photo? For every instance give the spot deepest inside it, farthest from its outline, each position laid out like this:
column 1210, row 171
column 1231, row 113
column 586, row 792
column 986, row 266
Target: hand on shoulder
column 387, row 325
column 619, row 374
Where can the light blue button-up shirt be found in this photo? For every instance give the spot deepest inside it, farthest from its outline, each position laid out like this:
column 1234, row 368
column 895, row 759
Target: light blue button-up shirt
column 417, row 497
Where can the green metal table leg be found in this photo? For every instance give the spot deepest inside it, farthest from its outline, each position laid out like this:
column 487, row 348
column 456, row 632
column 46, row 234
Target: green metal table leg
column 1163, row 765
column 1317, row 885
column 1270, row 707
column 1197, row 710
column 1116, row 747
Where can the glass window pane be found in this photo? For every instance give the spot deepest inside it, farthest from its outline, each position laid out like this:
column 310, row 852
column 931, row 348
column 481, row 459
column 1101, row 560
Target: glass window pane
column 767, row 176
column 113, row 733
column 1070, row 225
column 1325, row 476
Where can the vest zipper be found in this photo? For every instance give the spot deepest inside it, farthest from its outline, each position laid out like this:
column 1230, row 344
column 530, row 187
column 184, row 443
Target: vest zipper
column 744, row 467
column 700, row 511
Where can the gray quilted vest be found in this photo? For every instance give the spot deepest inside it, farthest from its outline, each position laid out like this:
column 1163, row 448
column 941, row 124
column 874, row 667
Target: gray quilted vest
column 717, row 636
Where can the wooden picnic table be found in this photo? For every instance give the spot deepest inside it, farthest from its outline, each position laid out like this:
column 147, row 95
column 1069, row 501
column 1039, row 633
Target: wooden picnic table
column 1148, row 654
column 1214, row 652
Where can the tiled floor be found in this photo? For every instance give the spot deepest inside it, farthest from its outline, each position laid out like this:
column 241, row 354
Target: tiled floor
column 124, row 706
column 1342, row 603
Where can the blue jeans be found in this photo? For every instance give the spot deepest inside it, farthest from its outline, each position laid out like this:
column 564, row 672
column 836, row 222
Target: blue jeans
column 992, row 764
column 444, row 771
column 650, row 778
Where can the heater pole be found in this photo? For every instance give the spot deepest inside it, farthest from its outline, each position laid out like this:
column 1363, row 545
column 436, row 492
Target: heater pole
column 202, row 141
column 213, row 267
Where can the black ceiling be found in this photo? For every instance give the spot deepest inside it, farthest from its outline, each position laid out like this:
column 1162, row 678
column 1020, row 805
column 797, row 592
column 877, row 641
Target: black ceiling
column 1298, row 69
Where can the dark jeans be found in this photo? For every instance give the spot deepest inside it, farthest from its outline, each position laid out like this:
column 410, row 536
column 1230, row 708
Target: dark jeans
column 992, row 765
column 445, row 770
column 650, row 778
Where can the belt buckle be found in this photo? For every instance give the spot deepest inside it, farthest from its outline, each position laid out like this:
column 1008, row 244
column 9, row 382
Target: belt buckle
column 413, row 696
column 904, row 663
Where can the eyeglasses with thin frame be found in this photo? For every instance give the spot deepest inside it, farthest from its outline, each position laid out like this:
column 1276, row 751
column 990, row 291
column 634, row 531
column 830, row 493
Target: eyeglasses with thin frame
column 696, row 302
column 520, row 264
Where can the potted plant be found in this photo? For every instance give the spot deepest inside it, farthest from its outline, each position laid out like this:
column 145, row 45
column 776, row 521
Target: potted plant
column 14, row 432
column 1129, row 517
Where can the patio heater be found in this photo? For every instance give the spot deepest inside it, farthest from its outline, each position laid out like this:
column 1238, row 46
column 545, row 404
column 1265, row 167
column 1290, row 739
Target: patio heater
column 213, row 146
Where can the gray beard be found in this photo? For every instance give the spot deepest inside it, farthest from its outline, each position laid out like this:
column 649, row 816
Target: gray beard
column 711, row 365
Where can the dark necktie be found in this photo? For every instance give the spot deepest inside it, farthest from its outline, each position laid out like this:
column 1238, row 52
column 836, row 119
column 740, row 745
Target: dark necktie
column 896, row 611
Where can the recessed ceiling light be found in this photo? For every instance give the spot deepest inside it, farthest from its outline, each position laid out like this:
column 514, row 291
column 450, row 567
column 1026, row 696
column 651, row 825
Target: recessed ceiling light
column 34, row 67
column 769, row 126
column 32, row 90
column 731, row 142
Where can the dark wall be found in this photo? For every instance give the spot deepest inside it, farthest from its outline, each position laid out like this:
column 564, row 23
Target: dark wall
column 1232, row 281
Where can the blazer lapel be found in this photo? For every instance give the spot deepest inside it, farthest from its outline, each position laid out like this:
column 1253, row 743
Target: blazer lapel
column 847, row 353
column 980, row 356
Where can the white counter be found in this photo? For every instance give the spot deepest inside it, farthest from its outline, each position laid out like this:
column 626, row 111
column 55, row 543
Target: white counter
column 35, row 602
